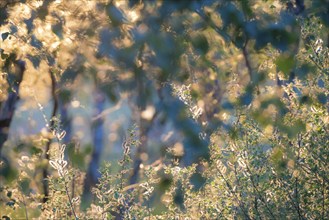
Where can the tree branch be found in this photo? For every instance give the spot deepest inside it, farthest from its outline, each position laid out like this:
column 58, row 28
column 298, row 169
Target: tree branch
column 8, row 107
column 52, row 123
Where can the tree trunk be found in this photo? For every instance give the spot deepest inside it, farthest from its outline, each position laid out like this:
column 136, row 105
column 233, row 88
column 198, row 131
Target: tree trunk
column 98, row 133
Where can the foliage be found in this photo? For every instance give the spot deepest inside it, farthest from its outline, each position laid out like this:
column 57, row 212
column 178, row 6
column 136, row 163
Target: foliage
column 229, row 101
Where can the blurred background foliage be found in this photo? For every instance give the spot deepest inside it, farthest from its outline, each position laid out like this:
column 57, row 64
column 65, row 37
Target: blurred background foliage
column 206, row 109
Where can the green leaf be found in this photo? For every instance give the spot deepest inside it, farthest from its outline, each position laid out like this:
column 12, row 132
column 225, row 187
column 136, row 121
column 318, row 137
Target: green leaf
column 9, row 194
column 4, row 36
column 116, row 16
column 197, row 180
column 7, row 171
column 58, row 29
column 303, row 70
column 35, row 150
column 25, row 185
column 3, row 55
column 322, row 98
column 11, row 203
column 200, row 43
column 285, row 63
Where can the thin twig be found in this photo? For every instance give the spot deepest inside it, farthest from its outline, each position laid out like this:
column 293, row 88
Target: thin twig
column 258, row 193
column 288, row 194
column 296, row 181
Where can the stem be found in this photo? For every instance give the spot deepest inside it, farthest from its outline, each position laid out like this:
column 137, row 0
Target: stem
column 296, row 182
column 323, row 198
column 24, row 203
column 297, row 200
column 246, row 59
column 256, row 207
column 123, row 168
column 73, row 186
column 148, row 208
column 68, row 195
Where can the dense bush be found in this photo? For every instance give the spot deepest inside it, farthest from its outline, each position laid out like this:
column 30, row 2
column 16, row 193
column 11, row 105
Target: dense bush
column 208, row 109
